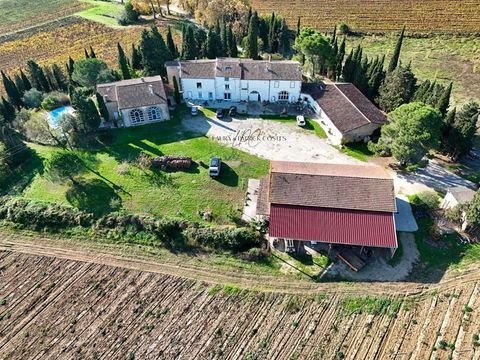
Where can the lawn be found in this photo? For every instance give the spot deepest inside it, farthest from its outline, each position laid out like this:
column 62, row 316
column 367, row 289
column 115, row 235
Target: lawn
column 116, row 182
column 444, row 58
column 358, row 151
column 102, row 11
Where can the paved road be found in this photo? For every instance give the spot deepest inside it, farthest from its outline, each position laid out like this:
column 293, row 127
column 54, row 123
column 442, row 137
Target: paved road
column 404, row 219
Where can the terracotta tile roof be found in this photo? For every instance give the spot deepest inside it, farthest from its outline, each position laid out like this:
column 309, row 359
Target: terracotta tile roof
column 246, row 69
column 331, row 186
column 345, row 105
column 333, row 226
column 263, row 205
column 133, row 93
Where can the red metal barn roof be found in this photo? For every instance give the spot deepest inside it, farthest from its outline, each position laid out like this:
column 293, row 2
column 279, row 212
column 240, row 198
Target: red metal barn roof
column 335, row 226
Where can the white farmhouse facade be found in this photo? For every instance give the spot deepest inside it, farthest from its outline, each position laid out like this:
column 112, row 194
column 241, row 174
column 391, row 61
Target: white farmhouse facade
column 233, row 79
column 136, row 101
column 343, row 111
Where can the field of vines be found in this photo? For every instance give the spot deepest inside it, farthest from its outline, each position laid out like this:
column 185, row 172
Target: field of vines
column 63, row 309
column 56, row 41
column 379, row 15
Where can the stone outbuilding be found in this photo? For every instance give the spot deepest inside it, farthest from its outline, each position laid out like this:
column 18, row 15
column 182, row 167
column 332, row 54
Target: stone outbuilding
column 135, row 101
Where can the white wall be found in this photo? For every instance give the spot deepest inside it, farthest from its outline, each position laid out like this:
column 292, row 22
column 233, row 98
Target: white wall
column 190, row 91
column 292, row 87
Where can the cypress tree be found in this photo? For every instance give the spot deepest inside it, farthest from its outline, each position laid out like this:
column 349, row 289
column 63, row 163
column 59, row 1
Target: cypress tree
column 348, row 68
column 298, row 27
column 122, row 63
column 271, row 35
column 59, row 77
column 190, row 51
column 223, row 40
column 70, row 67
column 50, row 79
column 136, row 61
column 171, row 43
column 211, row 45
column 284, row 41
column 88, row 114
column 102, row 107
column 229, row 40
column 396, row 54
column 334, row 35
column 447, row 128
column 8, row 111
column 154, row 52
column 26, row 83
column 87, row 55
column 252, row 38
column 92, row 53
column 444, row 100
column 17, row 79
column 13, row 94
column 234, row 48
column 422, row 90
column 340, row 57
column 176, row 92
column 38, row 77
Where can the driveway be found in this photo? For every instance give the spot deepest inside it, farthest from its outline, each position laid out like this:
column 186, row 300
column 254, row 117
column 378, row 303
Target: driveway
column 269, row 139
column 404, row 219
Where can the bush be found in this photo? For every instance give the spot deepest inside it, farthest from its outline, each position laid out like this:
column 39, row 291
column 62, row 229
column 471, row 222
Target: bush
column 32, row 98
column 227, row 238
column 254, row 255
column 427, row 200
column 54, row 100
column 344, row 29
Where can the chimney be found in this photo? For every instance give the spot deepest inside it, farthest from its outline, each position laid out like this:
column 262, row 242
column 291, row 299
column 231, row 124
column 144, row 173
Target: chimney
column 150, row 88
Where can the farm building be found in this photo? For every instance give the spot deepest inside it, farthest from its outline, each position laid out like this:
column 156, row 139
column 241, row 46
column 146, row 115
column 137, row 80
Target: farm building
column 136, row 101
column 455, row 196
column 234, row 79
column 344, row 112
column 344, row 208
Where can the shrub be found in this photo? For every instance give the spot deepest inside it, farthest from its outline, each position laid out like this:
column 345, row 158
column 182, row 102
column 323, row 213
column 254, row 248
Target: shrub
column 226, row 238
column 32, row 98
column 50, row 103
column 254, row 254
column 427, row 200
column 344, row 29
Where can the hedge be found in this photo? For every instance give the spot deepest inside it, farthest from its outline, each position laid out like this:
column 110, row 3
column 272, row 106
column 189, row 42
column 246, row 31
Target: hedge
column 41, row 216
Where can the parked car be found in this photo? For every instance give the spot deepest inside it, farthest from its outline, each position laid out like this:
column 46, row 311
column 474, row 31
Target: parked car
column 219, row 113
column 301, row 120
column 215, row 166
column 232, row 111
column 194, row 111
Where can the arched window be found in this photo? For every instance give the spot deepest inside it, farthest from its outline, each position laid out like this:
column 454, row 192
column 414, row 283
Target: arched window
column 283, row 96
column 136, row 116
column 154, row 113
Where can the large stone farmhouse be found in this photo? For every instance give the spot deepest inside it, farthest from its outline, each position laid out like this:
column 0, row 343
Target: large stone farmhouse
column 136, row 101
column 329, row 206
column 234, row 79
column 344, row 112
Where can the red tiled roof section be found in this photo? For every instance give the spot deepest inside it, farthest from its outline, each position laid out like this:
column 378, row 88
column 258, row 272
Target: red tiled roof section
column 345, row 105
column 363, row 104
column 333, row 226
column 263, row 205
column 351, row 187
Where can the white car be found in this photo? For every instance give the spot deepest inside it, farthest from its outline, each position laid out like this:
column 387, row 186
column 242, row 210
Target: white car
column 301, row 120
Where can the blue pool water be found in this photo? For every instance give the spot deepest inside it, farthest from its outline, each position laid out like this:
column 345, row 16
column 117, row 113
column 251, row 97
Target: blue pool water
column 56, row 113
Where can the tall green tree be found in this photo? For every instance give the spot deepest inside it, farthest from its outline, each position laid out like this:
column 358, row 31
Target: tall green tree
column 340, row 58
column 316, row 49
column 70, row 66
column 396, row 54
column 87, row 55
column 459, row 140
column 12, row 92
column 284, row 40
column 136, row 61
column 88, row 72
column 272, row 35
column 26, row 82
column 413, row 130
column 224, row 39
column 123, row 63
column 8, row 111
column 473, row 214
column 251, row 50
column 92, row 53
column 298, row 26
column 232, row 50
column 17, row 80
column 422, row 92
column 131, row 15
column 88, row 114
column 39, row 80
column 102, row 107
column 211, row 45
column 154, row 52
column 64, row 165
column 171, row 43
column 59, row 76
column 397, row 89
column 190, row 51
column 444, row 100
column 176, row 91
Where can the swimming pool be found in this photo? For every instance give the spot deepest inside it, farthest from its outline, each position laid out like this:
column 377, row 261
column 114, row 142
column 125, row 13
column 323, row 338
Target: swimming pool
column 57, row 113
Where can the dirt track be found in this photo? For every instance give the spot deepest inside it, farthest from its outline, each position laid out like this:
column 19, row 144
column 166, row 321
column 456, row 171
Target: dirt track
column 60, row 303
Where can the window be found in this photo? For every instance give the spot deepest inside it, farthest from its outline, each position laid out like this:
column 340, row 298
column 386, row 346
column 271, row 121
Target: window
column 210, row 96
column 228, row 68
column 199, row 85
column 283, row 96
column 154, row 113
column 136, row 116
column 227, row 96
column 227, row 79
column 200, row 95
column 227, row 86
column 276, row 84
column 292, row 84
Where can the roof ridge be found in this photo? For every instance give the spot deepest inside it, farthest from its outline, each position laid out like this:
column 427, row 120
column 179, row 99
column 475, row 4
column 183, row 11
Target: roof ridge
column 336, row 175
column 351, row 102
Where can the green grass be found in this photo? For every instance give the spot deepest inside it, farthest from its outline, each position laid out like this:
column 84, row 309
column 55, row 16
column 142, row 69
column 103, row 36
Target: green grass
column 366, row 304
column 104, row 12
column 443, row 58
column 303, row 265
column 358, row 151
column 311, row 124
column 124, row 185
